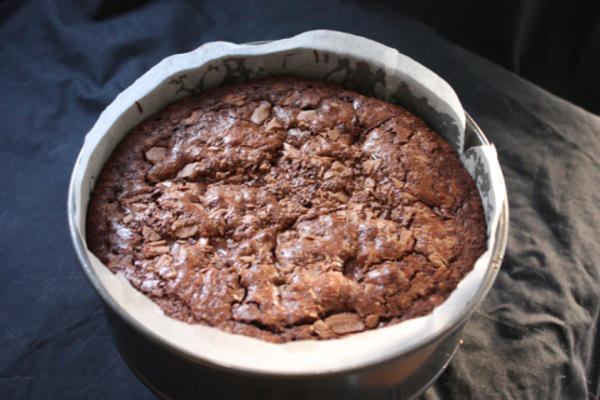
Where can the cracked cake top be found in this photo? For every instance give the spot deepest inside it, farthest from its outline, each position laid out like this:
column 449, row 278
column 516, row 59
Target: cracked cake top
column 287, row 209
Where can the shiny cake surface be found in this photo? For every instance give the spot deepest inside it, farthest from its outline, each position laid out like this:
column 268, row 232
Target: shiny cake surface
column 287, row 209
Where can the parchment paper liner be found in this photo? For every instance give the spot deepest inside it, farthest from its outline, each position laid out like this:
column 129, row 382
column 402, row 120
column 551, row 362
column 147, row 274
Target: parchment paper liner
column 355, row 62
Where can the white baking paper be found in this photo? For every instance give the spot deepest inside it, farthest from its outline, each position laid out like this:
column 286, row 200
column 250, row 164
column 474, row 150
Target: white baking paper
column 353, row 61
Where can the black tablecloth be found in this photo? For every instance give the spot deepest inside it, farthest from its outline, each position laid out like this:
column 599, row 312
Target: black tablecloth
column 535, row 336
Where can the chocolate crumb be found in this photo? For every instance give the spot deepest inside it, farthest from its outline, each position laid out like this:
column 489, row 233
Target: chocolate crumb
column 371, row 321
column 344, row 323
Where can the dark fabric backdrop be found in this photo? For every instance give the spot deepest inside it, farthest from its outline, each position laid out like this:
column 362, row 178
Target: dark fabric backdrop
column 553, row 43
column 536, row 335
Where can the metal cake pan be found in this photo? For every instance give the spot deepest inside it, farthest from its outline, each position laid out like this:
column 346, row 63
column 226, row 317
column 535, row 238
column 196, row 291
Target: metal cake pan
column 173, row 373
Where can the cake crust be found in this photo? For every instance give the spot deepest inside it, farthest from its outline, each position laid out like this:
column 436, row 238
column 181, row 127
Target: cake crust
column 287, row 209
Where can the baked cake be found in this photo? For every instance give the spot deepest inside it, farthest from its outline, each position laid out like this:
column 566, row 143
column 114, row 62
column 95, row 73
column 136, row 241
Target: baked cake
column 287, row 209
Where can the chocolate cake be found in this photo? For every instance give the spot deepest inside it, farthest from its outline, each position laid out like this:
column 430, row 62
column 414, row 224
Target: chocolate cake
column 287, row 209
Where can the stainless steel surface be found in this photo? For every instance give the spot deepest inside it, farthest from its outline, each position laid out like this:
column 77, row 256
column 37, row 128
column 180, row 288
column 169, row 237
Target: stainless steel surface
column 173, row 377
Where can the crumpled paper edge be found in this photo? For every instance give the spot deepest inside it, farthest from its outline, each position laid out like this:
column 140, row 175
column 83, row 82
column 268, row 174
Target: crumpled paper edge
column 242, row 352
